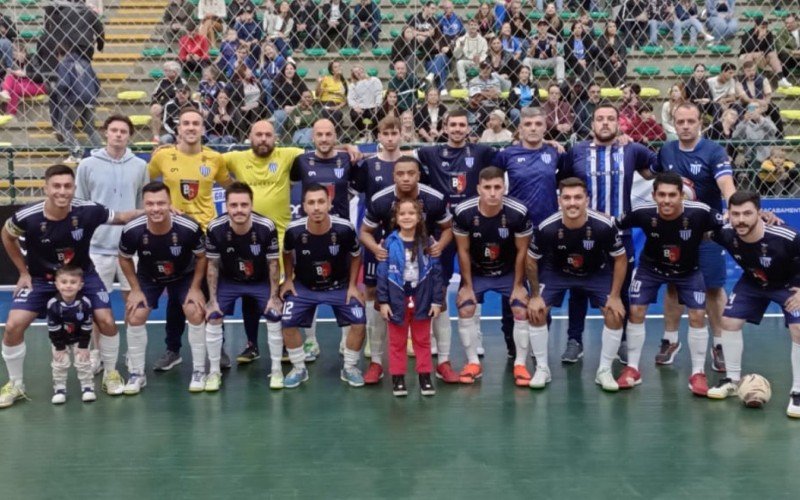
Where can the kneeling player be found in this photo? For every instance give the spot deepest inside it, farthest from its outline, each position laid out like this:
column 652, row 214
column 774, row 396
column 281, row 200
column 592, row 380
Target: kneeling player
column 321, row 258
column 171, row 251
column 570, row 251
column 242, row 251
column 674, row 230
column 768, row 256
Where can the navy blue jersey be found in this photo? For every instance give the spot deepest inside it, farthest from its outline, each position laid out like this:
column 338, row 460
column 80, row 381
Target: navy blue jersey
column 337, row 174
column 380, row 209
column 607, row 171
column 672, row 246
column 532, row 178
column 243, row 257
column 69, row 323
column 163, row 258
column 492, row 240
column 771, row 262
column 372, row 175
column 454, row 171
column 322, row 262
column 52, row 244
column 576, row 252
column 700, row 169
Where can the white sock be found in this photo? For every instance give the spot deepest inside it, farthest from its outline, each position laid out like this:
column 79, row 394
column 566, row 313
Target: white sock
column 14, row 357
column 610, row 346
column 109, row 352
column 522, row 341
column 197, row 342
column 351, row 358
column 371, row 314
column 444, row 333
column 635, row 343
column 795, row 367
column 311, row 332
column 733, row 345
column 539, row 337
column 275, row 343
column 298, row 357
column 343, row 340
column 214, row 346
column 477, row 317
column 137, row 346
column 468, row 331
column 698, row 345
column 377, row 340
column 671, row 336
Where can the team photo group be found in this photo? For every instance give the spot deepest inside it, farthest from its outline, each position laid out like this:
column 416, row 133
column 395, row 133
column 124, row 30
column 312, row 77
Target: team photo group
column 530, row 222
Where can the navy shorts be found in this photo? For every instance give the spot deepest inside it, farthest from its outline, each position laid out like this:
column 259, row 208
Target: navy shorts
column 645, row 284
column 176, row 290
column 553, row 286
column 35, row 299
column 712, row 264
column 749, row 302
column 503, row 285
column 299, row 310
column 228, row 291
column 370, row 268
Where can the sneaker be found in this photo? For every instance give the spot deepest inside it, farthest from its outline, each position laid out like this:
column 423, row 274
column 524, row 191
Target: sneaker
column 59, row 396
column 784, row 83
column 605, row 379
column 213, row 382
column 198, row 382
column 410, row 349
column 167, row 361
column 717, row 359
column 667, row 351
column 445, row 372
column 429, row 77
column 97, row 363
column 249, row 355
column 224, row 360
column 443, row 93
column 88, row 395
column 4, row 96
column 698, row 384
column 352, row 376
column 724, row 388
column 71, row 160
column 541, row 377
column 622, row 353
column 136, row 382
column 709, row 37
column 629, row 378
column 793, row 410
column 425, row 385
column 113, row 385
column 295, row 378
column 374, row 374
column 10, row 393
column 284, row 356
column 470, row 373
column 521, row 376
column 399, row 385
column 573, row 352
column 311, row 348
column 276, row 380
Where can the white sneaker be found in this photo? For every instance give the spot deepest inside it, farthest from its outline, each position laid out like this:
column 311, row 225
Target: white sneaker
column 605, row 379
column 97, row 363
column 784, row 83
column 276, row 380
column 443, row 92
column 113, row 383
column 429, row 77
column 793, row 410
column 541, row 377
column 709, row 38
column 4, row 96
column 59, row 396
column 725, row 388
column 136, row 382
column 213, row 382
column 71, row 160
column 198, row 383
column 88, row 395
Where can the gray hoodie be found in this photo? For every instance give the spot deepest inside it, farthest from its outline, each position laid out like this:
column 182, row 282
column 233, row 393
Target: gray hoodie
column 116, row 184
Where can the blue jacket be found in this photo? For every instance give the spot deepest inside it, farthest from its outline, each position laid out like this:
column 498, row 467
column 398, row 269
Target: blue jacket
column 391, row 289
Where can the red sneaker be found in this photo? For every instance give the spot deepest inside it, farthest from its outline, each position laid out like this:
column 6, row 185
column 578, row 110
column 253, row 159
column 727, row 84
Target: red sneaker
column 521, row 376
column 698, row 384
column 470, row 373
column 446, row 373
column 374, row 374
column 629, row 378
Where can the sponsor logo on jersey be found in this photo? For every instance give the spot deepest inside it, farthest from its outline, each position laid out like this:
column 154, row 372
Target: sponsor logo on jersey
column 575, row 260
column 246, row 267
column 492, row 251
column 65, row 255
column 189, row 189
column 672, row 253
column 323, row 269
column 458, row 182
column 165, row 268
column 331, row 190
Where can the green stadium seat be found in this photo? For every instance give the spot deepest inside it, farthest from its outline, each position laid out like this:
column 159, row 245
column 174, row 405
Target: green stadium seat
column 323, row 72
column 349, row 52
column 566, row 32
column 599, row 15
column 381, row 51
column 259, row 3
column 720, row 49
column 156, row 74
column 213, row 52
column 470, row 16
column 792, row 115
column 780, row 13
column 685, row 49
column 752, row 14
column 597, row 32
column 682, row 70
column 372, row 71
column 388, row 17
column 714, row 69
column 461, row 2
column 472, row 73
column 302, row 72
column 647, row 70
column 29, row 18
column 154, row 52
column 535, row 15
column 569, row 16
column 408, row 16
column 315, row 52
column 30, row 34
column 27, row 3
column 395, row 33
column 652, row 50
column 400, row 3
column 543, row 72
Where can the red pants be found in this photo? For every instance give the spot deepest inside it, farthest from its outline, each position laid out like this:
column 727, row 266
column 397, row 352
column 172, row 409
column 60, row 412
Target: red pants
column 420, row 338
column 18, row 88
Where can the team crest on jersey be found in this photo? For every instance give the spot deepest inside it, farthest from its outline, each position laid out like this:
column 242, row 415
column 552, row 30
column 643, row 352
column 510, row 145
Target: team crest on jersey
column 685, row 233
column 79, row 316
column 189, row 189
column 175, row 248
column 469, row 161
column 700, row 297
column 503, row 229
column 43, row 227
column 695, row 168
column 764, row 260
column 273, row 167
column 575, row 260
column 255, row 248
column 334, row 246
column 77, row 232
column 653, row 222
column 546, row 158
column 458, row 182
column 672, row 253
column 338, row 172
column 588, row 244
column 103, row 296
column 619, row 156
column 205, row 170
column 145, row 239
column 358, row 311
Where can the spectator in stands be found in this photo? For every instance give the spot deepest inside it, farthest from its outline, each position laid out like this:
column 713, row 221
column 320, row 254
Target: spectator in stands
column 364, row 96
column 165, row 91
column 469, row 51
column 236, row 8
column 585, row 115
column 406, row 86
column 787, row 43
column 211, row 14
column 723, row 89
column 579, row 53
column 677, row 96
column 172, row 110
column 247, row 95
column 366, row 22
column 612, row 55
column 496, row 131
column 8, row 34
column 520, row 24
column 755, row 127
column 176, row 15
column 249, row 31
column 752, row 87
column 423, row 22
column 450, row 24
column 511, row 44
column 278, row 26
column 332, row 95
column 543, row 52
column 554, row 23
column 484, row 96
column 631, row 101
column 436, row 59
column 75, row 97
column 404, row 48
column 557, row 6
column 429, row 117
column 686, row 12
column 758, row 45
column 559, row 117
column 698, row 91
column 524, row 94
column 79, row 28
column 486, row 20
column 209, row 88
column 408, row 133
column 778, row 176
column 269, row 67
column 227, row 59
column 335, row 21
column 503, row 64
column 643, row 127
column 721, row 130
column 16, row 84
column 721, row 19
column 633, row 19
column 222, row 122
column 389, row 106
column 305, row 17
column 661, row 15
column 301, row 119
column 287, row 91
column 194, row 49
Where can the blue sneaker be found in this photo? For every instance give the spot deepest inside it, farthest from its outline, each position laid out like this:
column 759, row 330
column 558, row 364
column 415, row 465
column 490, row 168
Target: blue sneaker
column 352, row 376
column 295, row 378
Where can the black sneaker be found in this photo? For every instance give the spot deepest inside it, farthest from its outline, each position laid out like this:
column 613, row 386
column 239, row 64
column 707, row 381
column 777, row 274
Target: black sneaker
column 667, row 351
column 399, row 385
column 622, row 353
column 249, row 355
column 573, row 352
column 167, row 361
column 717, row 359
column 224, row 360
column 425, row 385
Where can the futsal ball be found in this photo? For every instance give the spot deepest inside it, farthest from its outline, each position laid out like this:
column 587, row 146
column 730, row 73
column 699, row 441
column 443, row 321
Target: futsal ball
column 754, row 390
